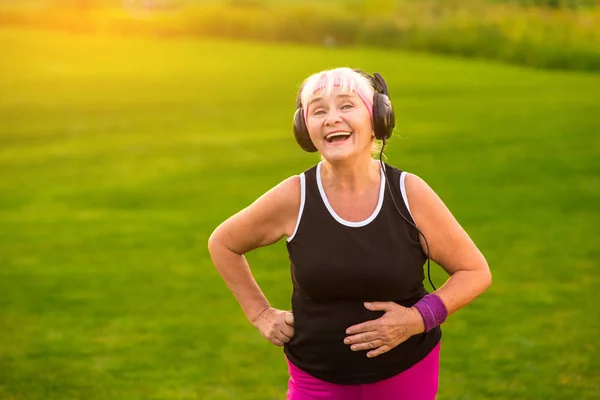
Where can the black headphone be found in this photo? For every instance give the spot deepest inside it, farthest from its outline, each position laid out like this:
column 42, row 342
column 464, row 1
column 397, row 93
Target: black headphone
column 384, row 118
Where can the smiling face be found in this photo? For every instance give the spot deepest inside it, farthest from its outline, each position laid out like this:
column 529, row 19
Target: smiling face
column 339, row 124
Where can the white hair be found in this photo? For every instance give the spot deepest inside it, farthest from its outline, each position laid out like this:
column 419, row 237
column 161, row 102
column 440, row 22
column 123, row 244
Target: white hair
column 346, row 80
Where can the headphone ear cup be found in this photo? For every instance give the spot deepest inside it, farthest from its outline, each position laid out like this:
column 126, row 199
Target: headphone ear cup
column 384, row 117
column 301, row 132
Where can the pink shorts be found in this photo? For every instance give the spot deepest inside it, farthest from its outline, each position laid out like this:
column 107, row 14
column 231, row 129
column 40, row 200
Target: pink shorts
column 419, row 382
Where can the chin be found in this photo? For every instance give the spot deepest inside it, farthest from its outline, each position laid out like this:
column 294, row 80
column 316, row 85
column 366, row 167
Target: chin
column 335, row 155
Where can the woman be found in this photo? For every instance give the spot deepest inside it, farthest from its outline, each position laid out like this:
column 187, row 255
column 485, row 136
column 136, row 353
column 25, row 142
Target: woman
column 362, row 325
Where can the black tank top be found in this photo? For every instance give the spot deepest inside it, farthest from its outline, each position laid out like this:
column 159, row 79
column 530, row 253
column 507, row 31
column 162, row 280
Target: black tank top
column 336, row 266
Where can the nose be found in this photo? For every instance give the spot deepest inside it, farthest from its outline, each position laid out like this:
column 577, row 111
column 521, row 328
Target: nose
column 333, row 117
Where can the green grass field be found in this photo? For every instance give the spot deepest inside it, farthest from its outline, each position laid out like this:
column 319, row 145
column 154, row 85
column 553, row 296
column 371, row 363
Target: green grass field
column 119, row 156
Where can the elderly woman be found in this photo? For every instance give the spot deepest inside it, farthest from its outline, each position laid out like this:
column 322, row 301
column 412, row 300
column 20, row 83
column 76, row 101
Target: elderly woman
column 358, row 233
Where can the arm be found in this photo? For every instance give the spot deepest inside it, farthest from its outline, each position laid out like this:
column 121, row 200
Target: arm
column 450, row 246
column 264, row 222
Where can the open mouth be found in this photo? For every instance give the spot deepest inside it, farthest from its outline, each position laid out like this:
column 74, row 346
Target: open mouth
column 337, row 137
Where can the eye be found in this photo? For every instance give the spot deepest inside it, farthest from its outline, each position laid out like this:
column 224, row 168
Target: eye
column 318, row 112
column 347, row 106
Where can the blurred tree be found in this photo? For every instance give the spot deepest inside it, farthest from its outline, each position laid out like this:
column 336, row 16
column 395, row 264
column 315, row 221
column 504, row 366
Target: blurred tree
column 379, row 7
column 558, row 3
column 85, row 4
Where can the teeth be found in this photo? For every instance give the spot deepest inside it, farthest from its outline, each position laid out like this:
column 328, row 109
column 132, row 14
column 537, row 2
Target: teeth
column 336, row 134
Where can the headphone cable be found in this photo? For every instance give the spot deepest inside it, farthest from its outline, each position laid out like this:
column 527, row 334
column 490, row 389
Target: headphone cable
column 402, row 215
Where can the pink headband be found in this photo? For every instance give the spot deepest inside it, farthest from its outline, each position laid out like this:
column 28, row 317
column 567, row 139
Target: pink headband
column 368, row 102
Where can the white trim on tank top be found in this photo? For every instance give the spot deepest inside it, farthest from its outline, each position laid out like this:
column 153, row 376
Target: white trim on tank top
column 302, row 200
column 340, row 219
column 403, row 191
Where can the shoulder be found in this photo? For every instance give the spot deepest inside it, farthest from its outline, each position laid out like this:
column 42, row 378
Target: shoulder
column 417, row 189
column 285, row 195
column 263, row 222
column 288, row 192
column 415, row 185
column 424, row 201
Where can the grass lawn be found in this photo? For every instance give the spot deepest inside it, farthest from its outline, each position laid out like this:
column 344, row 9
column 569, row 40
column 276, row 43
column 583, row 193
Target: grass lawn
column 119, row 156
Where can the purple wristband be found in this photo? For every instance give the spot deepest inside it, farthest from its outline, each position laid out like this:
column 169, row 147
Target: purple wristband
column 432, row 310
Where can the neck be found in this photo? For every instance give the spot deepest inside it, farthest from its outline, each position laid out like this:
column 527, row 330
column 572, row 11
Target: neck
column 356, row 175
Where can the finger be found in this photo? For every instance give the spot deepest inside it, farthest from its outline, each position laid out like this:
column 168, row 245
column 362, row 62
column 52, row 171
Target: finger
column 276, row 341
column 367, row 346
column 283, row 337
column 364, row 327
column 287, row 331
column 379, row 306
column 289, row 319
column 379, row 351
column 361, row 337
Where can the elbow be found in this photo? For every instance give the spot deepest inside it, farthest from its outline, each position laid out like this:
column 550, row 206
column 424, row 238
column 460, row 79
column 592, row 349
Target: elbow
column 486, row 280
column 219, row 244
column 214, row 242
